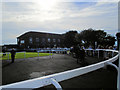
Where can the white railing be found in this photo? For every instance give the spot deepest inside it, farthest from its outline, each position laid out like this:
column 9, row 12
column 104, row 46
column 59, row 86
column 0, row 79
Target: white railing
column 55, row 78
column 51, row 51
column 8, row 54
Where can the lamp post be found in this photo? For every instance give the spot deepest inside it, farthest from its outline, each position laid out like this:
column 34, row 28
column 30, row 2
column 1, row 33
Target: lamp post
column 118, row 47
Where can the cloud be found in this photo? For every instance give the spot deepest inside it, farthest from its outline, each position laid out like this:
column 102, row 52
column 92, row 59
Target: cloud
column 60, row 18
column 34, row 12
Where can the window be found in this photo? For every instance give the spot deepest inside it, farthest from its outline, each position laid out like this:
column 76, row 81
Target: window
column 22, row 41
column 43, row 39
column 30, row 39
column 58, row 40
column 54, row 40
column 48, row 39
column 37, row 39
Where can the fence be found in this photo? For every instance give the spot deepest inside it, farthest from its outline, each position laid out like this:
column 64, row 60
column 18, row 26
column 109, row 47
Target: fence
column 8, row 54
column 55, row 78
column 51, row 51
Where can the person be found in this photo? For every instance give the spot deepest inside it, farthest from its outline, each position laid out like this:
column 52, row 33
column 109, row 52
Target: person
column 90, row 51
column 77, row 52
column 4, row 52
column 114, row 48
column 13, row 55
column 71, row 50
column 82, row 55
column 110, row 53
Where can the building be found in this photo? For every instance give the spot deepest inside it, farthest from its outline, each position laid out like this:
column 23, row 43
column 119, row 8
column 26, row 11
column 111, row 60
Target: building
column 10, row 46
column 39, row 40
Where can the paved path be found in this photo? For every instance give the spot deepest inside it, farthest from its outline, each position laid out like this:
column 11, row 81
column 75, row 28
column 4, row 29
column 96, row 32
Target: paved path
column 24, row 69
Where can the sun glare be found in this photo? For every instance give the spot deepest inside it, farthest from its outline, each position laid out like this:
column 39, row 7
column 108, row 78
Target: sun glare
column 46, row 4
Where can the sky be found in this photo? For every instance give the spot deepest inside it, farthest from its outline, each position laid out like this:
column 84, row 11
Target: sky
column 56, row 17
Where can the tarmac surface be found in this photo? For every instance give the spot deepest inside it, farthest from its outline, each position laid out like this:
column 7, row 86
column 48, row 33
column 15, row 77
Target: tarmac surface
column 24, row 69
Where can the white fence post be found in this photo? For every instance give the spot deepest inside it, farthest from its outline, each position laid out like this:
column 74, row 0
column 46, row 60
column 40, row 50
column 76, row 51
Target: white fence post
column 56, row 84
column 98, row 53
column 38, row 53
column 24, row 55
column 8, row 55
column 105, row 54
column 93, row 52
column 112, row 54
column 52, row 54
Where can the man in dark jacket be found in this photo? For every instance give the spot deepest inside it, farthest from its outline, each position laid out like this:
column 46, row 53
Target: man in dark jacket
column 82, row 55
column 13, row 55
column 4, row 53
column 77, row 52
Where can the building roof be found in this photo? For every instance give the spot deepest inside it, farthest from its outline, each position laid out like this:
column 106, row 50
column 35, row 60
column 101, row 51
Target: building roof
column 34, row 32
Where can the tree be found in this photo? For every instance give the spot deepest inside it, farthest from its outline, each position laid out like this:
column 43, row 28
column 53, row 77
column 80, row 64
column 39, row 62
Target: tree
column 88, row 36
column 109, row 40
column 100, row 37
column 69, row 38
column 91, row 36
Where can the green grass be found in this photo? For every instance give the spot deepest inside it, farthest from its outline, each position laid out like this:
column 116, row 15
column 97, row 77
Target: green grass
column 21, row 55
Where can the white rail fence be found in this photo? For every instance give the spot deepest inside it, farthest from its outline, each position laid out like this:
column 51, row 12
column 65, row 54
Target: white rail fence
column 51, row 51
column 58, row 77
column 8, row 54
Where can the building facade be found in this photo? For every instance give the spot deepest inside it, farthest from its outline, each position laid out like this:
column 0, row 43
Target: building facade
column 39, row 40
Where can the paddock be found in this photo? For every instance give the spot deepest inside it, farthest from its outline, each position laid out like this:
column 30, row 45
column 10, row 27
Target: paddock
column 44, row 66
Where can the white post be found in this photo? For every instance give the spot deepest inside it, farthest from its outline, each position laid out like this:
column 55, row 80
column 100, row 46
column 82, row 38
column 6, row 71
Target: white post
column 93, row 52
column 104, row 54
column 38, row 53
column 8, row 56
column 98, row 53
column 52, row 53
column 24, row 55
column 112, row 54
column 56, row 84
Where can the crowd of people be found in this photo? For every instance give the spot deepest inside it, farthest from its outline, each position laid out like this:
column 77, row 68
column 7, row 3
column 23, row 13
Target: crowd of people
column 79, row 52
column 106, row 47
column 76, row 51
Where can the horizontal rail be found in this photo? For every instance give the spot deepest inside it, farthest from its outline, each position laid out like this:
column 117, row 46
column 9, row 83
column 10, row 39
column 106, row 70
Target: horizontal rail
column 9, row 52
column 46, row 80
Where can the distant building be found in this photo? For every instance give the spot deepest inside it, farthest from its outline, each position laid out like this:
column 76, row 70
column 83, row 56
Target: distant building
column 9, row 46
column 39, row 40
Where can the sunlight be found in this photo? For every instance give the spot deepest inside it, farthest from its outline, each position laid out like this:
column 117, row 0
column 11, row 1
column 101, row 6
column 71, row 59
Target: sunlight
column 46, row 4
column 44, row 10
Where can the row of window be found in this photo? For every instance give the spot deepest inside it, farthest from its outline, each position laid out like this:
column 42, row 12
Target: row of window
column 37, row 40
column 43, row 40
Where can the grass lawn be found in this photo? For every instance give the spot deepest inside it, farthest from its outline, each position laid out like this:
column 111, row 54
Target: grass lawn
column 21, row 55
